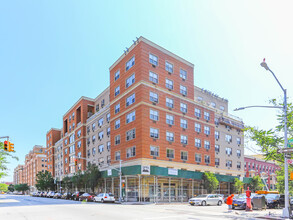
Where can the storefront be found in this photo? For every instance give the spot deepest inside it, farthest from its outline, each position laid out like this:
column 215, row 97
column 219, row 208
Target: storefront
column 159, row 184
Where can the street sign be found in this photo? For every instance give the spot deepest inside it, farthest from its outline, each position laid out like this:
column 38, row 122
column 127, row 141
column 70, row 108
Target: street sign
column 285, row 150
column 290, row 142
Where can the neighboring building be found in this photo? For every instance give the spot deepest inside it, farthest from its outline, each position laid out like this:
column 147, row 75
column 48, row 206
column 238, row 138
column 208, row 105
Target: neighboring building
column 58, row 159
column 229, row 138
column 98, row 132
column 53, row 135
column 255, row 165
column 18, row 175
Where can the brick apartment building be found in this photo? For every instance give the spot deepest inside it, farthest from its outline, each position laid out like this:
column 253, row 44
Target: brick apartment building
column 255, row 165
column 35, row 161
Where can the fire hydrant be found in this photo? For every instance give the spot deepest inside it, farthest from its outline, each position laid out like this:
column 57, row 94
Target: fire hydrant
column 248, row 200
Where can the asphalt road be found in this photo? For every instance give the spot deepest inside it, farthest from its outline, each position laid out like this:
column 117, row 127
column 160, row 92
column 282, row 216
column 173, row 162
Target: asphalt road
column 35, row 208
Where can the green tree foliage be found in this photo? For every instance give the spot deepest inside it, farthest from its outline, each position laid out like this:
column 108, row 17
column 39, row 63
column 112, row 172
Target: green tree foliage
column 44, row 181
column 92, row 176
column 11, row 187
column 66, row 183
column 210, row 182
column 3, row 187
column 238, row 185
column 256, row 184
column 3, row 160
column 281, row 180
column 21, row 187
column 78, row 180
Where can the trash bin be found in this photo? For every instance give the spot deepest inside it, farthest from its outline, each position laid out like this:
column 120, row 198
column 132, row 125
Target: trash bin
column 259, row 202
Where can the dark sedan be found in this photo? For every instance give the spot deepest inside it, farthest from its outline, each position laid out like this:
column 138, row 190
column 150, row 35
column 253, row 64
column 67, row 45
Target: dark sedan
column 87, row 197
column 57, row 196
column 76, row 195
column 67, row 195
column 239, row 202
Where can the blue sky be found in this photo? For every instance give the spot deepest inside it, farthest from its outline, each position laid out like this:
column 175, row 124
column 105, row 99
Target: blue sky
column 53, row 52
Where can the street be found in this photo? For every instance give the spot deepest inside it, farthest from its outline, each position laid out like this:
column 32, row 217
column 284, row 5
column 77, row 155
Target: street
column 13, row 207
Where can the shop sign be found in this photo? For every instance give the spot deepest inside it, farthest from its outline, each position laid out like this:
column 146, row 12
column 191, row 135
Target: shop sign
column 172, row 171
column 109, row 172
column 146, row 170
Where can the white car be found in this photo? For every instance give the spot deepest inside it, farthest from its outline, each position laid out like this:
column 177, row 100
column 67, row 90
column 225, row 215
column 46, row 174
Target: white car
column 104, row 197
column 207, row 199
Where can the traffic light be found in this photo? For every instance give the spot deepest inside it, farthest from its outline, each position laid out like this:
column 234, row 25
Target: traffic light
column 75, row 162
column 6, row 145
column 10, row 147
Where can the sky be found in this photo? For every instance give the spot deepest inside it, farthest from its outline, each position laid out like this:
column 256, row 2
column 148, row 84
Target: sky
column 53, row 52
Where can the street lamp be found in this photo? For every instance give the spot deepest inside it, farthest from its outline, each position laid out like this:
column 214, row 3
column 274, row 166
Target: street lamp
column 284, row 107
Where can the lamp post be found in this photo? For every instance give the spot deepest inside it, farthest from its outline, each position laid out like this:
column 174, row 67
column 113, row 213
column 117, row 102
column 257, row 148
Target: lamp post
column 285, row 213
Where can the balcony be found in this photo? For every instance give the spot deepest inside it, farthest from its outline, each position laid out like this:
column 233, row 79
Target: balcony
column 229, row 122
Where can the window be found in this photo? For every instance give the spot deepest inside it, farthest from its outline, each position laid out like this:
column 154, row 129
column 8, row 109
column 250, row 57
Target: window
column 238, row 141
column 183, row 107
column 184, row 155
column 117, row 139
column 108, row 131
column 207, row 116
column 217, row 135
column 216, row 121
column 169, row 84
column 65, row 151
column 153, row 59
column 197, row 112
column 97, row 107
column 183, row 74
column 222, row 108
column 170, row 153
column 117, row 108
column 78, row 133
column 183, row 139
column 71, row 149
column 117, row 90
column 213, row 104
column 101, row 122
column 108, row 117
column 117, row 75
column 130, row 117
column 117, row 124
column 199, row 98
column 198, row 158
column 154, row 151
column 130, row 152
column 93, row 126
column 108, row 145
column 183, row 123
column 197, row 142
column 154, row 97
column 169, row 67
column 197, row 127
column 130, row 100
column 207, row 159
column 101, row 160
column 238, row 153
column 228, row 151
column 154, row 115
column 153, row 77
column 94, row 151
column 94, row 138
column 228, row 138
column 217, row 148
column 207, row 145
column 109, row 159
column 183, row 90
column 71, row 138
column 169, row 136
column 130, row 134
column 229, row 163
column 154, row 133
column 130, row 80
column 169, row 119
column 217, row 161
column 207, row 130
column 169, row 103
column 101, row 135
column 130, row 63
column 66, row 160
column 238, row 165
column 101, row 148
column 102, row 103
column 117, row 155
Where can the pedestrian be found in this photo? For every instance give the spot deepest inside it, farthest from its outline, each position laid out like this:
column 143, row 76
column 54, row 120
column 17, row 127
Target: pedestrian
column 229, row 202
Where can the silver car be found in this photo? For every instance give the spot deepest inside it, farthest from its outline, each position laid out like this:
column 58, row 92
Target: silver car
column 207, row 199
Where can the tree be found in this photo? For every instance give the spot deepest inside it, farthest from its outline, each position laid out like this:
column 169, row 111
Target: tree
column 92, row 176
column 238, row 186
column 66, row 183
column 3, row 187
column 210, row 182
column 3, row 160
column 11, row 187
column 256, row 184
column 78, row 180
column 21, row 187
column 45, row 181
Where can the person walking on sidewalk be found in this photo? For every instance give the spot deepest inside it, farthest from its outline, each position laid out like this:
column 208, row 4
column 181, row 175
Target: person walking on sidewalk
column 229, row 202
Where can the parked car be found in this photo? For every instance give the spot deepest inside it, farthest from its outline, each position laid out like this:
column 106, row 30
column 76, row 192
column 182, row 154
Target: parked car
column 207, row 199
column 104, row 197
column 50, row 194
column 57, row 196
column 67, row 195
column 87, row 197
column 240, row 201
column 44, row 194
column 75, row 196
